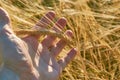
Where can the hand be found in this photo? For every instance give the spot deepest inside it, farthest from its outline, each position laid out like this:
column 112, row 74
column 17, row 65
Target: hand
column 28, row 55
column 45, row 53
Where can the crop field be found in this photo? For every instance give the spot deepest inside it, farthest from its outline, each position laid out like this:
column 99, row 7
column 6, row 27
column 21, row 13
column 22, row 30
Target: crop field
column 96, row 30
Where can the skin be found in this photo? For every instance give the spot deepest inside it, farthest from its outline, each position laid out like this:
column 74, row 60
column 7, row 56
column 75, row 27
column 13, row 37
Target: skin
column 26, row 58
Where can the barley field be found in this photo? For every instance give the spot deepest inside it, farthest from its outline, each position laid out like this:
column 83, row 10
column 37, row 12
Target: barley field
column 96, row 28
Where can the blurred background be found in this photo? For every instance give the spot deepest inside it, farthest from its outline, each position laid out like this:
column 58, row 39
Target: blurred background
column 96, row 28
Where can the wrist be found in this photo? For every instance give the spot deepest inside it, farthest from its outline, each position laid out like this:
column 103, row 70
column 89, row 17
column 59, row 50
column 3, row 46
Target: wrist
column 30, row 74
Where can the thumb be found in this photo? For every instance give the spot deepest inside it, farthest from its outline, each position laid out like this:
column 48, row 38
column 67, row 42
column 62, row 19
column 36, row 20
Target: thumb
column 4, row 18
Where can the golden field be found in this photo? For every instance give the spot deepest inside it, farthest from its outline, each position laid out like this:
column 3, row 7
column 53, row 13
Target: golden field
column 96, row 28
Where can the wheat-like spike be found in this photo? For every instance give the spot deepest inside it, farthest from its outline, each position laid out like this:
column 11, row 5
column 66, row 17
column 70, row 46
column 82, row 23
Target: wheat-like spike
column 43, row 32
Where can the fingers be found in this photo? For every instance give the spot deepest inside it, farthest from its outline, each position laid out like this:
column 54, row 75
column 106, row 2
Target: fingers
column 61, row 44
column 59, row 25
column 44, row 22
column 64, row 61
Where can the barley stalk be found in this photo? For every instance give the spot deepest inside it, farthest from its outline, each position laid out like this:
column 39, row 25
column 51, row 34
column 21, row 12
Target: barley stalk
column 43, row 32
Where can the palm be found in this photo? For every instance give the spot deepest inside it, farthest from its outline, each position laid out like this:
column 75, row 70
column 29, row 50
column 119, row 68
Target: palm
column 45, row 63
column 48, row 65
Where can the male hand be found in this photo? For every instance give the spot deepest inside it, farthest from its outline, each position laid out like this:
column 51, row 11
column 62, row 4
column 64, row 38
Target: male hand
column 27, row 57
